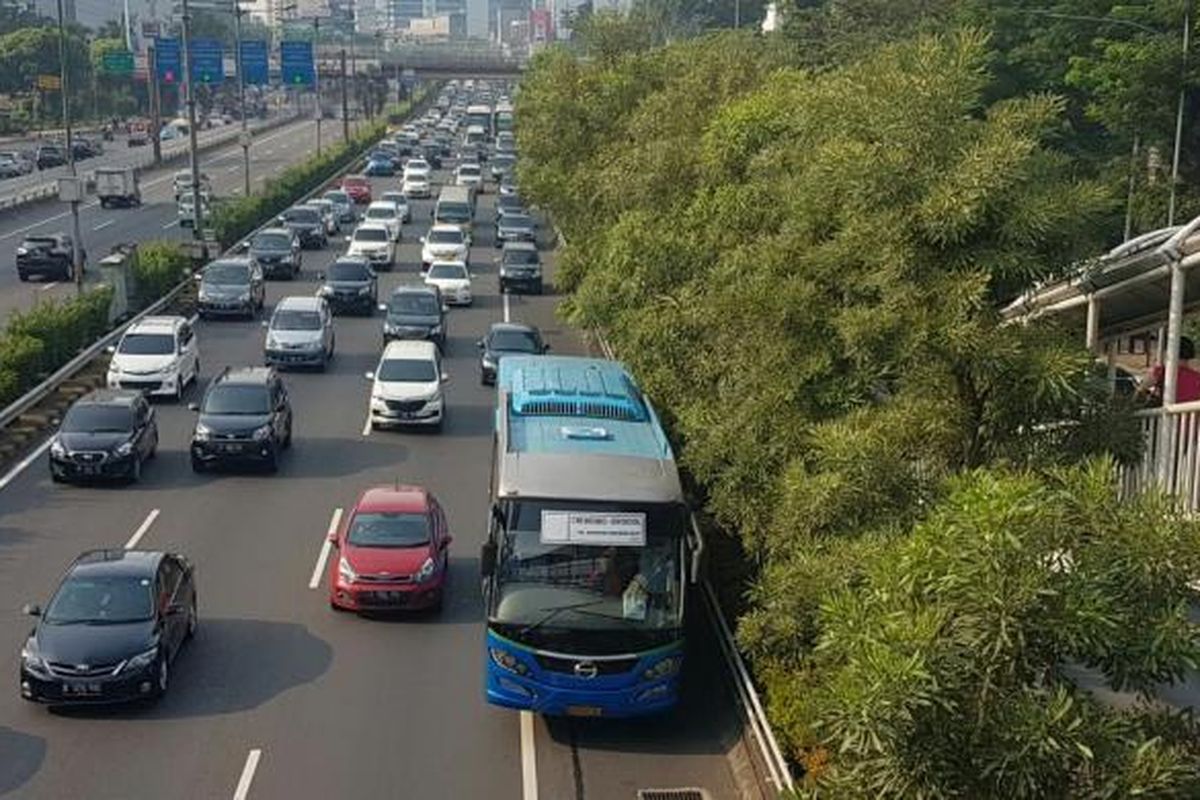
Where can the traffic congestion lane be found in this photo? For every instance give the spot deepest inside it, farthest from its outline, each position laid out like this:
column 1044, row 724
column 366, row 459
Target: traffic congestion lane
column 334, row 704
column 157, row 218
column 254, row 539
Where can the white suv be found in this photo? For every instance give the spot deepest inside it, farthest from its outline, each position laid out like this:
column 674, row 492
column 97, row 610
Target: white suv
column 406, row 387
column 387, row 214
column 444, row 243
column 158, row 355
column 373, row 241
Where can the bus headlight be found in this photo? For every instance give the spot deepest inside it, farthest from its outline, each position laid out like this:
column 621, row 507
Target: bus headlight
column 663, row 669
column 507, row 661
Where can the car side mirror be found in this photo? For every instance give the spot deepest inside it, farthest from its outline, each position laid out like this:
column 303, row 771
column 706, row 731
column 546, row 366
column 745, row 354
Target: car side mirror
column 243, row 247
column 487, row 559
column 333, row 537
column 198, row 276
column 446, row 540
column 265, row 324
column 193, row 406
column 382, row 307
column 545, row 348
column 445, row 377
column 348, row 238
column 369, row 376
column 31, row 610
column 320, row 276
column 112, row 348
column 479, row 344
column 422, row 240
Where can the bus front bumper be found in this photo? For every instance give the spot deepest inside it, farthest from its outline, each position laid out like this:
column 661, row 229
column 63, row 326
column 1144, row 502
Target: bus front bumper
column 513, row 691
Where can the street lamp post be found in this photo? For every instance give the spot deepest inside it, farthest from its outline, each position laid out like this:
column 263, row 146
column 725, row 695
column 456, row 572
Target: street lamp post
column 190, row 101
column 65, row 91
column 317, row 76
column 241, row 75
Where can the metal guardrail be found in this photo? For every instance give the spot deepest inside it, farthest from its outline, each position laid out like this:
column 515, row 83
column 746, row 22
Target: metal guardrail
column 173, row 151
column 779, row 773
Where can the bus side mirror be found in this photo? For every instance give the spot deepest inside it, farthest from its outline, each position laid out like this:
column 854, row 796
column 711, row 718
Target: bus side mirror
column 487, row 559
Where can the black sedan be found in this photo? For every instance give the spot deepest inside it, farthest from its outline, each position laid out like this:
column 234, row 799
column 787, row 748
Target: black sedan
column 350, row 284
column 502, row 339
column 106, row 434
column 277, row 252
column 308, row 224
column 112, row 629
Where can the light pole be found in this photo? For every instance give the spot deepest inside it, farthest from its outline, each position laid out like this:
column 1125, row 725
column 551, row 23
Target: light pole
column 190, row 101
column 1179, row 109
column 317, row 76
column 245, row 136
column 65, row 91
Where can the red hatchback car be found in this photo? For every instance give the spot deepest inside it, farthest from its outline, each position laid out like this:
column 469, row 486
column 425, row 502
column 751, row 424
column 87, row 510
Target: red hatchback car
column 358, row 187
column 393, row 552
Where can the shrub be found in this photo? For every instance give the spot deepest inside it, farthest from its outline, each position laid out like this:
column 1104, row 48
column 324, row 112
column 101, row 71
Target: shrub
column 158, row 268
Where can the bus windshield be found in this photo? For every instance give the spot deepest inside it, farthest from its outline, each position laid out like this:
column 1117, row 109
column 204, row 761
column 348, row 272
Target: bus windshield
column 589, row 599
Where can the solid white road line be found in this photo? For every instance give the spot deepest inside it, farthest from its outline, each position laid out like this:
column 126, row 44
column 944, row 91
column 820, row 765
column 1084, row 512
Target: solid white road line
column 529, row 782
column 233, row 168
column 507, row 309
column 104, row 225
column 319, row 569
column 366, row 431
column 12, row 474
column 45, row 287
column 170, row 224
column 141, row 531
column 243, row 787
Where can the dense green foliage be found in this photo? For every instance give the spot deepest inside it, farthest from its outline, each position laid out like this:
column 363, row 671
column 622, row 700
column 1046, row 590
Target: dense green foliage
column 803, row 260
column 235, row 219
column 38, row 341
column 160, row 266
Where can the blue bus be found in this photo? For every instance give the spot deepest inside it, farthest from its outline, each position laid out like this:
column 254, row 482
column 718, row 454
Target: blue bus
column 590, row 544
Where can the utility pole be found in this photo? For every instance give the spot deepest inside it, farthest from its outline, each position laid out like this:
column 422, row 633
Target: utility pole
column 354, row 80
column 345, row 102
column 155, row 105
column 1187, row 31
column 65, row 91
column 317, row 75
column 190, row 100
column 245, row 135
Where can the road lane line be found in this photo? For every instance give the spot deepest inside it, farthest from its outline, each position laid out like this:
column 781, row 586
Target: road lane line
column 104, row 225
column 233, row 168
column 507, row 309
column 47, row 286
column 12, row 474
column 323, row 556
column 141, row 531
column 170, row 224
column 243, row 787
column 366, row 431
column 529, row 782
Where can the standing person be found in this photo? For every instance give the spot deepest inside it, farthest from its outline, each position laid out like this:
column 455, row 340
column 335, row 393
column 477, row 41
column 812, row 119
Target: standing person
column 1187, row 384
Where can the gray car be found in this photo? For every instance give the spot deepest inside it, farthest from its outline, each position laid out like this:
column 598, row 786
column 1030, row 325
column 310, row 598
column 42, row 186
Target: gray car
column 515, row 227
column 300, row 333
column 343, row 206
column 230, row 287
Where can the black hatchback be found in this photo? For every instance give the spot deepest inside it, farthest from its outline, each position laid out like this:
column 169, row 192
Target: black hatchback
column 415, row 312
column 308, row 224
column 112, row 629
column 350, row 284
column 507, row 338
column 245, row 417
column 106, row 434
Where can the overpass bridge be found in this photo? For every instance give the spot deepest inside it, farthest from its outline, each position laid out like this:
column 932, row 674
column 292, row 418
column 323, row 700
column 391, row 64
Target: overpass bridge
column 430, row 62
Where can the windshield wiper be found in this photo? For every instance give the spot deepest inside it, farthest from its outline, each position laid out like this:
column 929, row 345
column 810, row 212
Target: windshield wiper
column 552, row 613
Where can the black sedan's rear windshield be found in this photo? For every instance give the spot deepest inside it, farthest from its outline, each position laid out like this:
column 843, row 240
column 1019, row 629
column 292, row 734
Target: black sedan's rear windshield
column 272, row 241
column 237, row 400
column 103, row 599
column 96, row 418
column 349, row 271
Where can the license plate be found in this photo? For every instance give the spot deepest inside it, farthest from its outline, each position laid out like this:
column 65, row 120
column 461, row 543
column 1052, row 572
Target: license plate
column 584, row 711
column 74, row 688
column 89, row 469
column 230, row 448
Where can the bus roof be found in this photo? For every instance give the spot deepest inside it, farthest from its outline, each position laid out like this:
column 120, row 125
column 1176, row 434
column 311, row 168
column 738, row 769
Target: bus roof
column 580, row 428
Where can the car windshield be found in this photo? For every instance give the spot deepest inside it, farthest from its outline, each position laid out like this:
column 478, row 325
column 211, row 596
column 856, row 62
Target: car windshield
column 272, row 241
column 517, row 221
column 407, row 370
column 358, row 183
column 470, row 170
column 95, row 418
column 38, row 241
column 503, row 161
column 417, row 164
column 388, row 530
column 422, row 304
column 290, row 319
column 370, row 235
column 348, row 271
column 510, row 201
column 515, row 341
column 453, row 212
column 448, row 271
column 231, row 274
column 147, row 344
column 381, row 213
column 301, row 215
column 340, row 198
column 394, row 197
column 520, row 257
column 98, row 600
column 232, row 399
column 445, row 237
column 414, row 177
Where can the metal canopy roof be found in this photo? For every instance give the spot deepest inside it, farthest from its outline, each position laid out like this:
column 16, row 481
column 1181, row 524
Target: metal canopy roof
column 1131, row 282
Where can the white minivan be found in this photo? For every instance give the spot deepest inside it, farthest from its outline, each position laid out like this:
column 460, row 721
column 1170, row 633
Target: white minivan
column 406, row 387
column 158, row 355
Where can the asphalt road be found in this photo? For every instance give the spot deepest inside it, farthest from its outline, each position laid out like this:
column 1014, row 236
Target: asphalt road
column 277, row 692
column 101, row 228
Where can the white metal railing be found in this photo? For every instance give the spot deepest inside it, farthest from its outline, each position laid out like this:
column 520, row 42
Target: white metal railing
column 1171, row 459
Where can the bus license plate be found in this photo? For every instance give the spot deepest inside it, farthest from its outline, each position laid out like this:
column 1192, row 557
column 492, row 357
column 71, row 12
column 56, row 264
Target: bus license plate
column 585, row 711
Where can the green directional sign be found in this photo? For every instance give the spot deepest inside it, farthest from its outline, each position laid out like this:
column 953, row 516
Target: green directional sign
column 118, row 62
